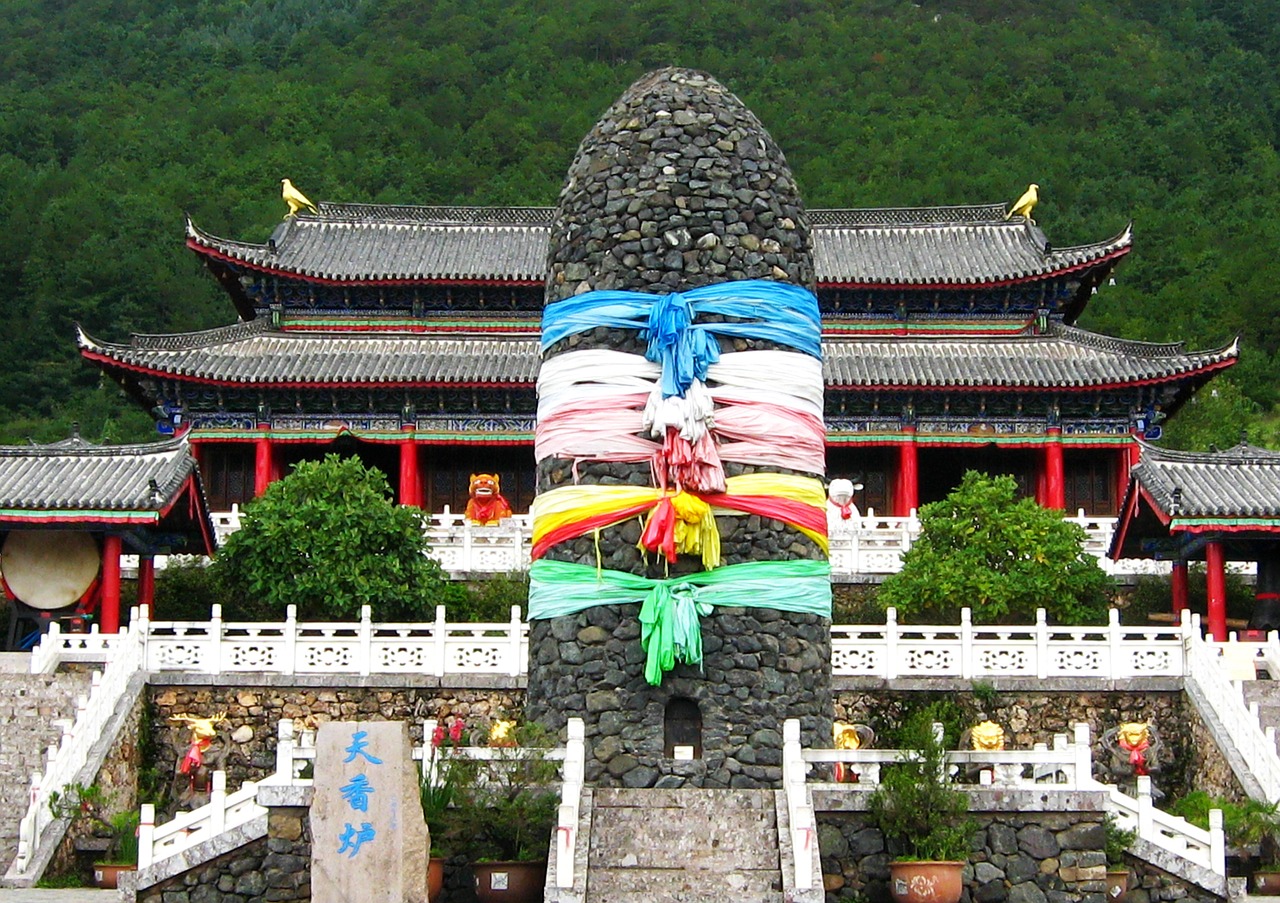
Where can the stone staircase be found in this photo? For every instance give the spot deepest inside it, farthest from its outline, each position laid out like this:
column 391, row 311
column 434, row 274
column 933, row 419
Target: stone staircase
column 684, row 846
column 31, row 706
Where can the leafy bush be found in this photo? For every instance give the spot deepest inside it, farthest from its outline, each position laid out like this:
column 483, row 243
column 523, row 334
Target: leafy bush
column 491, row 600
column 1002, row 556
column 1250, row 825
column 503, row 808
column 1118, row 840
column 328, row 539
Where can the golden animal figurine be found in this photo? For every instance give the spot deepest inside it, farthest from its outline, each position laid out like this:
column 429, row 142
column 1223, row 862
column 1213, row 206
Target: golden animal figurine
column 295, row 199
column 1025, row 204
column 850, row 736
column 203, row 731
column 987, row 736
column 1134, row 737
column 502, row 733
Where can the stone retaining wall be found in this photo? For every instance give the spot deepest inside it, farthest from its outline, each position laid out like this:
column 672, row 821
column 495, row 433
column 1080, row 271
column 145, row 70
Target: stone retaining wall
column 253, row 714
column 1018, row 856
column 276, row 867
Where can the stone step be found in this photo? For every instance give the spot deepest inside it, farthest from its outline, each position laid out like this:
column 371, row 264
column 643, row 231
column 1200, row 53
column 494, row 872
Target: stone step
column 683, row 846
column 682, row 886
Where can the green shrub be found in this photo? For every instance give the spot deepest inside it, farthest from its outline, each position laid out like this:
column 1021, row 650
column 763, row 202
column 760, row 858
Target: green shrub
column 984, row 548
column 328, row 538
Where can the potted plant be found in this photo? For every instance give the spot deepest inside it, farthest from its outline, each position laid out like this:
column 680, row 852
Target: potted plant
column 1255, row 826
column 437, row 783
column 1118, row 840
column 1252, row 829
column 91, row 806
column 923, row 818
column 504, row 811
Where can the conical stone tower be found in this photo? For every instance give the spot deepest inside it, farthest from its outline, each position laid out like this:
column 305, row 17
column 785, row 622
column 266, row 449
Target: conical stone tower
column 680, row 450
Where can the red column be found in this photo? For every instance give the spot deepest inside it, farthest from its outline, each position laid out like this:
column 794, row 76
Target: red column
column 1055, row 484
column 410, row 484
column 147, row 583
column 1122, row 475
column 110, row 615
column 908, row 474
column 1215, row 566
column 262, row 464
column 1179, row 581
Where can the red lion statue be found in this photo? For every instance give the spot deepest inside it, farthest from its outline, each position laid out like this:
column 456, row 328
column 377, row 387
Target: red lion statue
column 486, row 505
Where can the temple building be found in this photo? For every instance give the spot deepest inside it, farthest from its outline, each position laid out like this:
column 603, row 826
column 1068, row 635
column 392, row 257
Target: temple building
column 409, row 336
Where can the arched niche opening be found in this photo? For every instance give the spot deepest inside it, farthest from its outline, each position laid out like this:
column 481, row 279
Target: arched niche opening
column 682, row 723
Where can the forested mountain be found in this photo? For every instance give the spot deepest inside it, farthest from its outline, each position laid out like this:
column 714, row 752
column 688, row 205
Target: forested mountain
column 118, row 115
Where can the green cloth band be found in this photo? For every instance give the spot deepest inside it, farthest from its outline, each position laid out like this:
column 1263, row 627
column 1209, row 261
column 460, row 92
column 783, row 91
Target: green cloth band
column 670, row 608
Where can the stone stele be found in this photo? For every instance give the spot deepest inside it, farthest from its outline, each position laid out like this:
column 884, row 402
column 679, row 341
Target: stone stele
column 369, row 839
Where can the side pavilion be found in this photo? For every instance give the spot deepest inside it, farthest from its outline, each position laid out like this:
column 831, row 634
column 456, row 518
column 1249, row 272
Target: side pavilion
column 69, row 510
column 1214, row 507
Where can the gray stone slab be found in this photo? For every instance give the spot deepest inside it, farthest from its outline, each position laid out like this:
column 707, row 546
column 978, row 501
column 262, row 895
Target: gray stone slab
column 683, row 886
column 693, row 830
column 683, row 798
column 369, row 840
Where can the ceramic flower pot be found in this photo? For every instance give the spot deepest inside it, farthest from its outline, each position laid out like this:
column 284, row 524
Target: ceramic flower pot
column 926, row 881
column 106, row 875
column 1117, row 885
column 509, row 882
column 435, row 877
column 1266, row 882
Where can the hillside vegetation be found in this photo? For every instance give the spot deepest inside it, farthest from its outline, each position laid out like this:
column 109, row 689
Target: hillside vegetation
column 118, row 115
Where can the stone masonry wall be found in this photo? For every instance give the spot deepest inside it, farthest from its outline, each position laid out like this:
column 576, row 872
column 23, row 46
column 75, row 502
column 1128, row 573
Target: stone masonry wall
column 254, row 712
column 592, row 644
column 273, row 868
column 1186, row 758
column 756, row 664
column 1050, row 857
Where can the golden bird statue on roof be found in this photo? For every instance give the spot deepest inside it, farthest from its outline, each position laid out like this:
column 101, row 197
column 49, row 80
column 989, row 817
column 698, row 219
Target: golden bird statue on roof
column 295, row 198
column 1024, row 205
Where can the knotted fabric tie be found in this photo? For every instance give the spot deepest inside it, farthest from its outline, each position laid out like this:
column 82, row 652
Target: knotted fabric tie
column 683, row 523
column 669, row 628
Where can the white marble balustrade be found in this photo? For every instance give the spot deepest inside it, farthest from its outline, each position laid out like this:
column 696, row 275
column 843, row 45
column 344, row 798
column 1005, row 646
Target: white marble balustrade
column 875, row 548
column 440, row 647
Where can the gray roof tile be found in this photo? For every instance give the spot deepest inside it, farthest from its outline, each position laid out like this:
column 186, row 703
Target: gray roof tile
column 879, row 246
column 1066, row 357
column 1240, row 482
column 75, row 475
column 255, row 353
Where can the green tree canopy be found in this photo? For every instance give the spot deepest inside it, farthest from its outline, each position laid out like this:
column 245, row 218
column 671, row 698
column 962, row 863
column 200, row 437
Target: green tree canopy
column 328, row 539
column 1001, row 556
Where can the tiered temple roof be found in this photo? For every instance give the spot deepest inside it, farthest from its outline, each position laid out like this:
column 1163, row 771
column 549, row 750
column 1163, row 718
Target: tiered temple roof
column 1175, row 497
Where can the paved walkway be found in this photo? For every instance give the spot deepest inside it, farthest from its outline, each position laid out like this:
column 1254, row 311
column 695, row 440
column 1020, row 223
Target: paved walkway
column 64, row 895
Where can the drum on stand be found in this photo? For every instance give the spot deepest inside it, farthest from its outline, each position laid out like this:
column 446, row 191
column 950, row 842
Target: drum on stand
column 46, row 571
